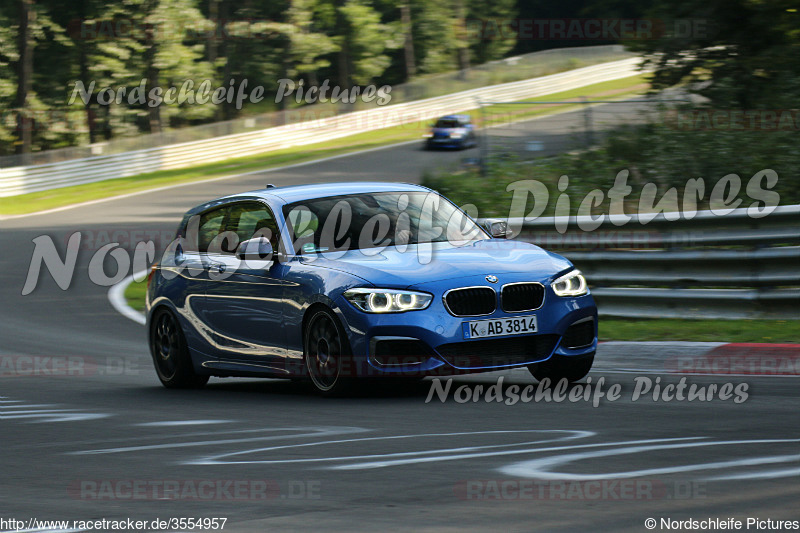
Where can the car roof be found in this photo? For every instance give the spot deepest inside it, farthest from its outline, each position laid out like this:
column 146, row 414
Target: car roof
column 298, row 193
column 460, row 118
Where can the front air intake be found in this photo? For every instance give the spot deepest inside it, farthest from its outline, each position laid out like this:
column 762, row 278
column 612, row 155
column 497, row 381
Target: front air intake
column 471, row 301
column 517, row 297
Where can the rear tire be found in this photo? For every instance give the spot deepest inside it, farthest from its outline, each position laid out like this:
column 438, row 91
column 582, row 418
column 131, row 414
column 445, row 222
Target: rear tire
column 170, row 353
column 327, row 354
column 558, row 367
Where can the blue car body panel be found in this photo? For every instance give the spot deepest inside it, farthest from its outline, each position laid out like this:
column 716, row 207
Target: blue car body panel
column 251, row 323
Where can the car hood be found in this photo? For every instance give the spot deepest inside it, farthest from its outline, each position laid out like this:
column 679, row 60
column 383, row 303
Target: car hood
column 420, row 264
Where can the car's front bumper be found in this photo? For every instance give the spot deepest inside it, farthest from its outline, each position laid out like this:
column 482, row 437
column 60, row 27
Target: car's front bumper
column 432, row 342
column 445, row 142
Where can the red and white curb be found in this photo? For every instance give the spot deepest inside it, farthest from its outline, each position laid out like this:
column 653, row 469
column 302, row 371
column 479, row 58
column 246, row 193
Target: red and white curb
column 703, row 358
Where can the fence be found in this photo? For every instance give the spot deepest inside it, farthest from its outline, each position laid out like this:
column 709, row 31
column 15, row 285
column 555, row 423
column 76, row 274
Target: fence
column 506, row 70
column 560, row 126
column 731, row 266
column 20, row 180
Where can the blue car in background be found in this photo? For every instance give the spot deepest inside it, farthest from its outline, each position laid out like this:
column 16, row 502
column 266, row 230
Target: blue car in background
column 451, row 131
column 345, row 281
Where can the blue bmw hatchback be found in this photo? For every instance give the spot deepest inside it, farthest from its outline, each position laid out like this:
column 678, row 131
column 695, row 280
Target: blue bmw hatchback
column 345, row 281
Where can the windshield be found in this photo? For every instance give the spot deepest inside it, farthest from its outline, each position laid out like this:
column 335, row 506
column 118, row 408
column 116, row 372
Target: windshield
column 377, row 220
column 446, row 123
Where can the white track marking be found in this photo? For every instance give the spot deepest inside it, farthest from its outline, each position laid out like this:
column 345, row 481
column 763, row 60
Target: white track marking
column 312, row 432
column 216, row 458
column 542, row 468
column 25, row 406
column 116, row 295
column 34, row 411
column 763, row 474
column 178, row 423
column 402, row 462
column 39, row 415
column 55, row 417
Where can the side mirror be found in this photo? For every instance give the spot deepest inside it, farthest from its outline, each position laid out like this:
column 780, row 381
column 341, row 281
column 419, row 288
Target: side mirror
column 258, row 249
column 497, row 228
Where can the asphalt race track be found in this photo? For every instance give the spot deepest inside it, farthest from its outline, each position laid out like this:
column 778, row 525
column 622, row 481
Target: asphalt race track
column 89, row 433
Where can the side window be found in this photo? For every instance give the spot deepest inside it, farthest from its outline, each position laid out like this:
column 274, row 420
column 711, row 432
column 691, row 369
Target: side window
column 210, row 227
column 252, row 219
column 303, row 224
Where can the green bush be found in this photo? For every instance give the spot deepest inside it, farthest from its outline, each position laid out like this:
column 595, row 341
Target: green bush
column 658, row 153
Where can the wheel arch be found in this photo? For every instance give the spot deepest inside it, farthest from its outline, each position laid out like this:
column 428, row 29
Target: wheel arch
column 324, row 305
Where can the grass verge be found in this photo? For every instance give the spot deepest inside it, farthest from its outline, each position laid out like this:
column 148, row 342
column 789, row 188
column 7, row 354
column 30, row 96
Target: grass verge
column 675, row 329
column 135, row 294
column 41, row 201
column 666, row 329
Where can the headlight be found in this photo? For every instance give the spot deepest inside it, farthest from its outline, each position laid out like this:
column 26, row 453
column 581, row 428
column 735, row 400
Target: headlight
column 388, row 300
column 570, row 284
column 457, row 134
column 427, row 135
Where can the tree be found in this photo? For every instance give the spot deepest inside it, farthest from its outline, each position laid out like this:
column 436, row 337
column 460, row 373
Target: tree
column 435, row 40
column 26, row 43
column 408, row 41
column 160, row 41
column 306, row 48
column 485, row 48
column 740, row 53
column 366, row 40
column 40, row 120
column 253, row 45
column 8, row 83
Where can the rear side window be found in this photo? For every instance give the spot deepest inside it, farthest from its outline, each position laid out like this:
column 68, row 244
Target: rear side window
column 210, row 227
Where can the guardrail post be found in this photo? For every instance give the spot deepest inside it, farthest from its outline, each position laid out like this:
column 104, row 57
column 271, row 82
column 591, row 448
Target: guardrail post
column 587, row 122
column 484, row 139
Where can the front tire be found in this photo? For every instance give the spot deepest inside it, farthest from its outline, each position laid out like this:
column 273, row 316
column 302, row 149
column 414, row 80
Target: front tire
column 558, row 367
column 327, row 354
column 170, row 353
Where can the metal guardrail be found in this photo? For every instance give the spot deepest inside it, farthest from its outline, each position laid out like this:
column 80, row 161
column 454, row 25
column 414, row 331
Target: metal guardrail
column 21, row 180
column 515, row 68
column 711, row 266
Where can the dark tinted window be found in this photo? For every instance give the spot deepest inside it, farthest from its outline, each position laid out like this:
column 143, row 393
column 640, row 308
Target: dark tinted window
column 377, row 220
column 447, row 123
column 252, row 219
column 210, row 227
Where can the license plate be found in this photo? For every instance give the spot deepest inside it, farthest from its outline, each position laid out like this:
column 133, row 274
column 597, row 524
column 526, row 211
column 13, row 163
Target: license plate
column 497, row 327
